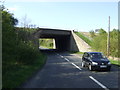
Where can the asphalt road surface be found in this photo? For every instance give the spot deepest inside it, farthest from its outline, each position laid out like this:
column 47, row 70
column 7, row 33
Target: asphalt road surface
column 63, row 70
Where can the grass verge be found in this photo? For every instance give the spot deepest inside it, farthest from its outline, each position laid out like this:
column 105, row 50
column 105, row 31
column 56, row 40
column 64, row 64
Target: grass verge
column 15, row 77
column 47, row 47
column 87, row 40
column 115, row 62
column 76, row 52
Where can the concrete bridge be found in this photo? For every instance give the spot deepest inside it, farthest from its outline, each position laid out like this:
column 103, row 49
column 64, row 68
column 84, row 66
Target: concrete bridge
column 65, row 40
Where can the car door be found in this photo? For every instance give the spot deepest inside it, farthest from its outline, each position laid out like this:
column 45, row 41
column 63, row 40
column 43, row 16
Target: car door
column 83, row 57
column 87, row 58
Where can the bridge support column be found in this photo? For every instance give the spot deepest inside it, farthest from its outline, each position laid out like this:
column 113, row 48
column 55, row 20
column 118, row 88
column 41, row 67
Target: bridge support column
column 73, row 44
column 54, row 45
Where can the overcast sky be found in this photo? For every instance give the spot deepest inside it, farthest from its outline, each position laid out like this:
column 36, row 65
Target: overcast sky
column 78, row 15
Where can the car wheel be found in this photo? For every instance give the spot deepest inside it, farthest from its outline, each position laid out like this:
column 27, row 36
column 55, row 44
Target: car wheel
column 83, row 64
column 90, row 67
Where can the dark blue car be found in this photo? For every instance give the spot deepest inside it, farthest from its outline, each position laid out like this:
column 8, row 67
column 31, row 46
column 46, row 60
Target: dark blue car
column 95, row 60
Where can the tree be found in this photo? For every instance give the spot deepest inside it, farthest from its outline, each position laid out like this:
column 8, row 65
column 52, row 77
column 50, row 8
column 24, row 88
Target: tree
column 114, row 42
column 25, row 21
column 102, row 31
column 17, row 50
column 8, row 39
column 92, row 33
column 100, row 42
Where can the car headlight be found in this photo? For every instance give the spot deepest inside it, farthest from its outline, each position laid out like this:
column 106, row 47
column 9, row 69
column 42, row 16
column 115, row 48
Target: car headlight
column 109, row 63
column 94, row 63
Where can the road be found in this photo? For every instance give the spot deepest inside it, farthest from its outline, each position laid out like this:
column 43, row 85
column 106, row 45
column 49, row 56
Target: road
column 63, row 70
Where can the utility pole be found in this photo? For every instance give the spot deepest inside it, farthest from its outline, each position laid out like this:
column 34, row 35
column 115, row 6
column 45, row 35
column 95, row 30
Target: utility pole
column 108, row 39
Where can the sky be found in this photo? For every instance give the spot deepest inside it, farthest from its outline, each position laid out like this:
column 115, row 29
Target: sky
column 67, row 15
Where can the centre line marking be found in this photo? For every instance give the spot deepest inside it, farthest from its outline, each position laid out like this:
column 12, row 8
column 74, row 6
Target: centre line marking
column 70, row 62
column 98, row 83
column 76, row 66
column 66, row 59
column 61, row 56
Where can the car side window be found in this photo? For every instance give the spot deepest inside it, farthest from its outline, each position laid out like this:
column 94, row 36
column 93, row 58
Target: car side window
column 86, row 55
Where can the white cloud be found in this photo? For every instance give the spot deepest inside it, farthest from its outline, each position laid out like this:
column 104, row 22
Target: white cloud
column 62, row 0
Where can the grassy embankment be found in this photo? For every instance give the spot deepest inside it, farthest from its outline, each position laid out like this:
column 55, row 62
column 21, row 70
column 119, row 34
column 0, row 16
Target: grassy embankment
column 20, row 73
column 87, row 40
column 22, row 62
column 46, row 43
column 115, row 62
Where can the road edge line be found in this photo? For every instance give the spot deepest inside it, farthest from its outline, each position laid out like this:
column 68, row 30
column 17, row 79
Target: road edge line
column 100, row 84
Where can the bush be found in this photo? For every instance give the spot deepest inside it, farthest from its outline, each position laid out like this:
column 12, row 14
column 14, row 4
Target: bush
column 18, row 51
column 100, row 42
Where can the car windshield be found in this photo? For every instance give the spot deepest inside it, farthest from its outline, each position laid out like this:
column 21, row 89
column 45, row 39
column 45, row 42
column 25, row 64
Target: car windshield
column 97, row 55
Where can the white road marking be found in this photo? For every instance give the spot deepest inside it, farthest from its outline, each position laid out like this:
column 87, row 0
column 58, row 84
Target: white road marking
column 57, row 53
column 89, row 76
column 70, row 62
column 67, row 59
column 61, row 56
column 76, row 66
column 98, row 83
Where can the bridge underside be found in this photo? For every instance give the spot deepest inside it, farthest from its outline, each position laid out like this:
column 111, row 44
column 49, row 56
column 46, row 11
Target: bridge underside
column 64, row 40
